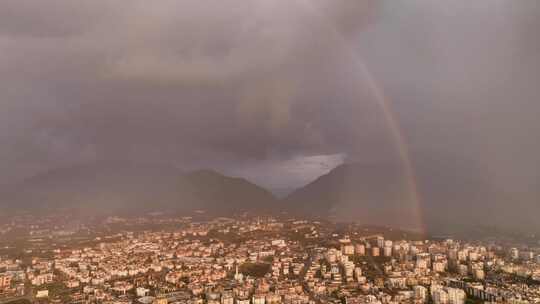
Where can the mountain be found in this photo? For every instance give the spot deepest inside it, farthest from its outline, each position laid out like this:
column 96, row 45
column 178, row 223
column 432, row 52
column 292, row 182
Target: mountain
column 444, row 196
column 372, row 194
column 233, row 194
column 111, row 188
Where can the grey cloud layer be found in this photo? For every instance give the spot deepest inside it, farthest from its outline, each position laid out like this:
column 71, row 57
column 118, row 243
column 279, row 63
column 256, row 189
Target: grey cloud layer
column 230, row 83
column 180, row 81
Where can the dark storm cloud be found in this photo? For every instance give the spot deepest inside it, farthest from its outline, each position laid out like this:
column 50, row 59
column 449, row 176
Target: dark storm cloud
column 181, row 81
column 238, row 83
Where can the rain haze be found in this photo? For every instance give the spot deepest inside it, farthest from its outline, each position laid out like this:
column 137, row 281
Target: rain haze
column 281, row 93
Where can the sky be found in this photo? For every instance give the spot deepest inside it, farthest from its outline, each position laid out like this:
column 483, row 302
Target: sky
column 278, row 92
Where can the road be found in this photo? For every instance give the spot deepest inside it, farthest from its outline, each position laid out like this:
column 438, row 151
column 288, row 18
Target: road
column 307, row 264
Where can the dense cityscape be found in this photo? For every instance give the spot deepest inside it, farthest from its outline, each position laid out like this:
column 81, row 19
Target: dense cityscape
column 254, row 260
column 269, row 152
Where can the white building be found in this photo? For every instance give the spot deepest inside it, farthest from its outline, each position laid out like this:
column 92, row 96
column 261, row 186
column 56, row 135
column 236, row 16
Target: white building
column 420, row 293
column 259, row 299
column 440, row 296
column 347, row 249
column 388, row 251
column 514, row 253
column 42, row 294
column 456, row 296
column 360, row 249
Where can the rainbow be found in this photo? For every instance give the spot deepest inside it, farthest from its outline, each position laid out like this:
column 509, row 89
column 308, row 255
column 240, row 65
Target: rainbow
column 384, row 104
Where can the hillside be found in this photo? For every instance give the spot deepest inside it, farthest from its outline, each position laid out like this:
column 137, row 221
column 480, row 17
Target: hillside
column 372, row 194
column 134, row 189
column 456, row 199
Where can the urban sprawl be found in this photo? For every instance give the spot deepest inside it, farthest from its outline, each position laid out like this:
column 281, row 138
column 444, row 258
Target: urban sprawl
column 254, row 260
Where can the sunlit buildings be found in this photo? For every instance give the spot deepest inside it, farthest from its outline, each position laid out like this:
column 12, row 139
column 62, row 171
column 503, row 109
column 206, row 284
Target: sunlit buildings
column 5, row 281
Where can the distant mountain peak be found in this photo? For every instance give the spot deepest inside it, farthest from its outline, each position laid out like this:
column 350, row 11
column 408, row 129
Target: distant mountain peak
column 135, row 188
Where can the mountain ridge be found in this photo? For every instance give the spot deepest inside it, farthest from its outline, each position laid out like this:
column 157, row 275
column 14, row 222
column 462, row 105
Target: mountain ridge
column 378, row 194
column 131, row 189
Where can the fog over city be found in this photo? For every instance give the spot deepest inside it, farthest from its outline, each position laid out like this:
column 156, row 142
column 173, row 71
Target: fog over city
column 438, row 98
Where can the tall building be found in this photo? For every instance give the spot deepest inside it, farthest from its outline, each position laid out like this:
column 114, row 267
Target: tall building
column 420, row 293
column 479, row 274
column 462, row 255
column 514, row 253
column 360, row 249
column 238, row 276
column 227, row 298
column 347, row 249
column 463, row 269
column 387, row 251
column 456, row 296
column 380, row 242
column 440, row 297
column 357, row 272
column 5, row 281
column 439, row 266
column 258, row 299
column 423, row 260
column 453, row 254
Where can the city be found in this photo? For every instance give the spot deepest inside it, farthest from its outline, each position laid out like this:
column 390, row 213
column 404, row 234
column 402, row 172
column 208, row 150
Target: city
column 259, row 260
column 269, row 152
